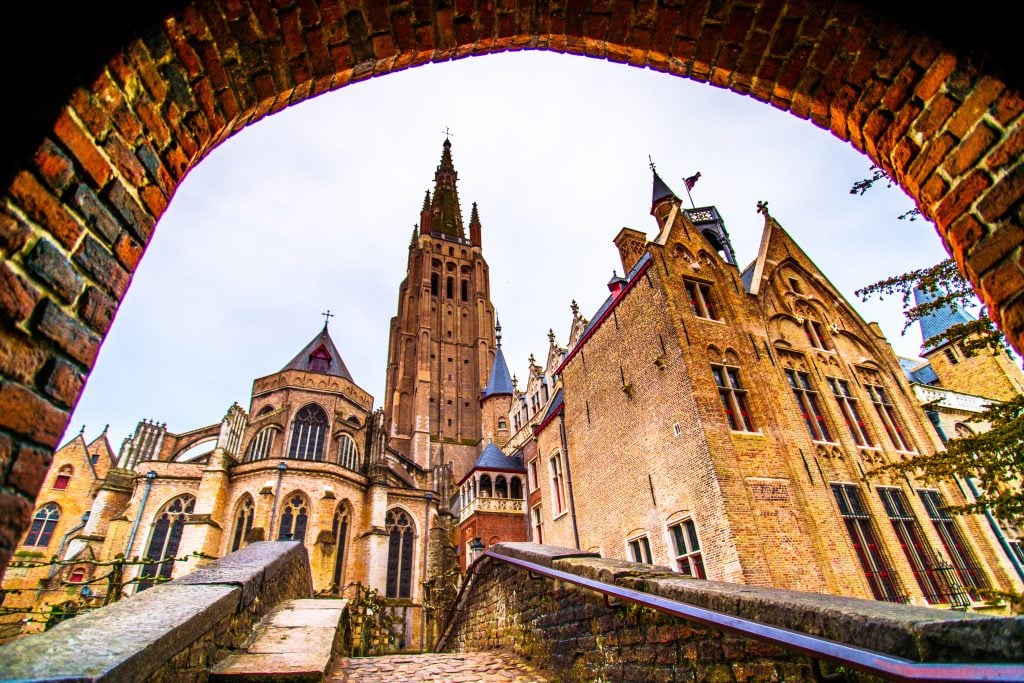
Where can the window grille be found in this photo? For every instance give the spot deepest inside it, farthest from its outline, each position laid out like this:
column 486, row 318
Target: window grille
column 308, row 431
column 964, row 563
column 876, row 567
column 919, row 554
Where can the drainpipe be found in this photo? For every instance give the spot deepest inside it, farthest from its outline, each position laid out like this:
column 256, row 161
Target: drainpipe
column 426, row 550
column 64, row 540
column 999, row 533
column 150, row 476
column 281, row 467
column 568, row 477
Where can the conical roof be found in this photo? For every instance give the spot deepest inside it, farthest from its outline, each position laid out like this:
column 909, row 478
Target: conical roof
column 938, row 321
column 311, row 358
column 660, row 190
column 500, row 382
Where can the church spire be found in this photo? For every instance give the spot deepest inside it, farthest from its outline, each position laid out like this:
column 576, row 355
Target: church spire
column 445, row 212
column 474, row 226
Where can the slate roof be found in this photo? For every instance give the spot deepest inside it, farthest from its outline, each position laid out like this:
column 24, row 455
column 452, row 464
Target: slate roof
column 917, row 370
column 938, row 321
column 747, row 276
column 556, row 403
column 337, row 365
column 500, row 382
column 660, row 190
column 493, row 458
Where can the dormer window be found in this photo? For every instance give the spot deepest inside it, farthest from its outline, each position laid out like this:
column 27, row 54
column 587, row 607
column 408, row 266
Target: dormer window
column 320, row 360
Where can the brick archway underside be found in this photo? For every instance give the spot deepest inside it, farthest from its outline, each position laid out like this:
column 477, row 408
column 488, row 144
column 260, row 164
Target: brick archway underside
column 82, row 203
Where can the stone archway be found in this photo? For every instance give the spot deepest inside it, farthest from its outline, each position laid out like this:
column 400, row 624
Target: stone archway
column 149, row 102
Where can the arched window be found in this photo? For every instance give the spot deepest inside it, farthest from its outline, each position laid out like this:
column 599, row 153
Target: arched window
column 465, row 290
column 308, row 430
column 434, row 284
column 163, row 544
column 243, row 522
column 260, row 446
column 63, row 477
column 339, row 529
column 78, row 575
column 516, row 489
column 400, row 545
column 485, row 487
column 348, row 457
column 43, row 524
column 449, row 287
column 294, row 517
column 500, row 487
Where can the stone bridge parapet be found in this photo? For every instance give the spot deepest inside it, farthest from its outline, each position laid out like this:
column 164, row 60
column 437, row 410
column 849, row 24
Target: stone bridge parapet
column 579, row 636
column 173, row 631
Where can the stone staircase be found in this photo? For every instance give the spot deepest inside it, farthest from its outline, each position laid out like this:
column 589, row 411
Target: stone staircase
column 296, row 642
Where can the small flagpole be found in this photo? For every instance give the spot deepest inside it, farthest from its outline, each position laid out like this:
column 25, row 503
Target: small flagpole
column 687, row 186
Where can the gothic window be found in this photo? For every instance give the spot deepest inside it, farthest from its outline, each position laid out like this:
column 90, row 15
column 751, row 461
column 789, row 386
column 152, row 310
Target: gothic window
column 434, row 284
column 465, row 290
column 165, row 539
column 259, row 448
column 919, row 553
column 449, row 287
column 877, row 569
column 816, row 335
column 640, row 550
column 485, row 487
column 733, row 396
column 320, row 360
column 848, row 406
column 538, row 531
column 308, row 431
column 63, row 477
column 43, row 524
column 294, row 517
column 243, row 522
column 887, row 414
column 515, row 489
column 960, row 556
column 688, row 553
column 500, row 487
column 807, row 400
column 400, row 545
column 701, row 301
column 348, row 457
column 557, row 484
column 339, row 530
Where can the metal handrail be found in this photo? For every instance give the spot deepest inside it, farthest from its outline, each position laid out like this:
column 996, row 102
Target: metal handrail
column 868, row 661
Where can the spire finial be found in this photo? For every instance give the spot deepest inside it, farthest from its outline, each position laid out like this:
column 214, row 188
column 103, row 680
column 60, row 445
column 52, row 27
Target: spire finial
column 327, row 317
column 762, row 207
column 533, row 361
column 81, row 432
column 497, row 329
column 551, row 336
column 575, row 308
column 651, row 163
column 105, row 428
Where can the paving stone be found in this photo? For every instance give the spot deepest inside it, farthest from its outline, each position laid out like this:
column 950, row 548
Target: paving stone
column 473, row 667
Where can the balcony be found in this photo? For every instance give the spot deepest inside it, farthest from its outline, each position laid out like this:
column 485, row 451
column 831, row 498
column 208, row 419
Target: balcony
column 512, row 506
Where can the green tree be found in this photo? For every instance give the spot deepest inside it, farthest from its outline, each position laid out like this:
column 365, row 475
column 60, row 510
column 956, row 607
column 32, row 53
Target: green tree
column 994, row 459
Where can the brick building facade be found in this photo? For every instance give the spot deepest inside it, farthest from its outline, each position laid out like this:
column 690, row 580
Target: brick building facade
column 722, row 422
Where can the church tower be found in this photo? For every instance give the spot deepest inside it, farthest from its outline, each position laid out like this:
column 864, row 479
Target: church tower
column 442, row 339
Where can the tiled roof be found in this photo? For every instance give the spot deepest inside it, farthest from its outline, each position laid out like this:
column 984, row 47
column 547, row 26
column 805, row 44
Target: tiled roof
column 938, row 321
column 500, row 382
column 302, row 360
column 660, row 190
column 493, row 458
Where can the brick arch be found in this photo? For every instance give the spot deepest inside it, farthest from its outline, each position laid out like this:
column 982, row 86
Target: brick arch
column 150, row 101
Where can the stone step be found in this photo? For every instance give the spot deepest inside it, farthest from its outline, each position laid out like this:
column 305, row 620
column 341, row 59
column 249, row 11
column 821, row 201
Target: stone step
column 294, row 642
column 471, row 667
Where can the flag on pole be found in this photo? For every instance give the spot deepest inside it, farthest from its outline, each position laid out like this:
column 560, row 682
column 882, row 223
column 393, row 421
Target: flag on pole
column 692, row 180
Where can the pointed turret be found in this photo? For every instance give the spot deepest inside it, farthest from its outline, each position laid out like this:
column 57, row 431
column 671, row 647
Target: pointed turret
column 500, row 382
column 662, row 199
column 446, row 214
column 320, row 355
column 474, row 227
column 425, row 215
column 937, row 322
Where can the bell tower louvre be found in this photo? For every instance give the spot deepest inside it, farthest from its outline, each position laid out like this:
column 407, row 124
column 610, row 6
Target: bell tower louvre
column 441, row 344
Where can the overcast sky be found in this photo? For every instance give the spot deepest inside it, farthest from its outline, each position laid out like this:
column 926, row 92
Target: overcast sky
column 312, row 209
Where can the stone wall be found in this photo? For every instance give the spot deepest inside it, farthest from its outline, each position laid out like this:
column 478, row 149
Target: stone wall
column 174, row 631
column 579, row 637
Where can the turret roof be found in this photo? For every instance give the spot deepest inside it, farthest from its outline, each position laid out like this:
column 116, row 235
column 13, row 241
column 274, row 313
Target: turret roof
column 938, row 321
column 335, row 365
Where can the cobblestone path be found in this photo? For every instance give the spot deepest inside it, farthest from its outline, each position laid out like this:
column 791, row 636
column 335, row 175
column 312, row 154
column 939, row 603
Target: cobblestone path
column 473, row 667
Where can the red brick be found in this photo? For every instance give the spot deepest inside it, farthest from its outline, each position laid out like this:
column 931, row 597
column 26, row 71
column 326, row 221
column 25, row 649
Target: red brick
column 928, row 159
column 935, row 76
column 48, row 264
column 20, row 356
column 97, row 215
column 187, row 57
column 17, row 297
column 997, row 245
column 961, row 196
column 932, row 191
column 1008, row 107
column 96, row 121
column 83, row 148
column 975, row 106
column 62, row 382
column 29, row 415
column 67, row 333
column 54, row 167
column 97, row 310
column 1008, row 152
column 100, row 264
column 135, row 217
column 1002, row 283
column 967, row 154
column 124, row 159
column 45, row 209
column 155, row 84
column 1003, row 196
column 962, row 235
column 29, row 470
column 13, row 233
column 934, row 116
